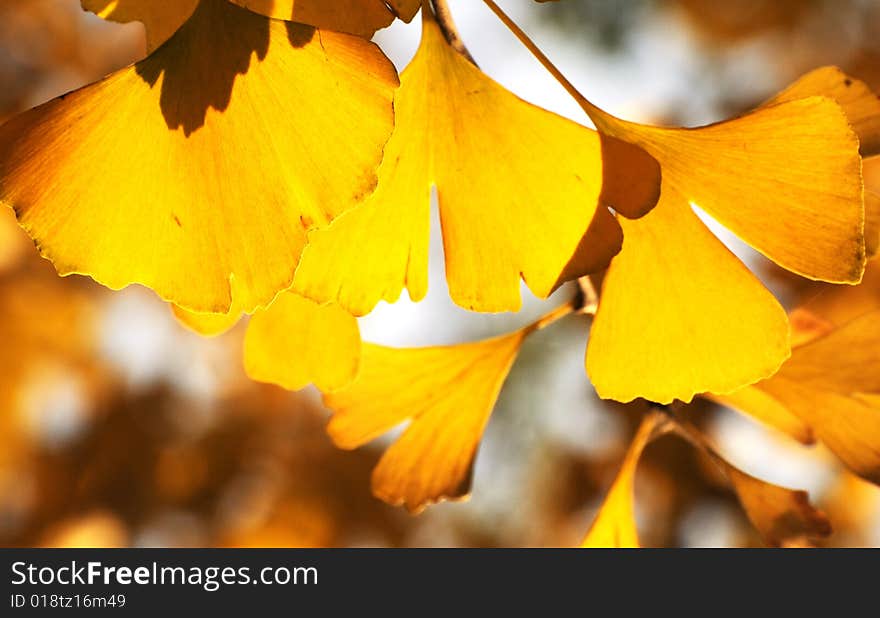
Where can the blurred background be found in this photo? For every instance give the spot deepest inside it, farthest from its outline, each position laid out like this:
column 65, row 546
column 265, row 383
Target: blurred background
column 118, row 427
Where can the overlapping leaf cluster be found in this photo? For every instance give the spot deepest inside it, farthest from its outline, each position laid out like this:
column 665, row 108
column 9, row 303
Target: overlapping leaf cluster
column 265, row 158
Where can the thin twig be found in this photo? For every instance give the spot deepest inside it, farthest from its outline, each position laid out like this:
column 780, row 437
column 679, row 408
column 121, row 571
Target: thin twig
column 553, row 316
column 545, row 61
column 590, row 302
column 690, row 433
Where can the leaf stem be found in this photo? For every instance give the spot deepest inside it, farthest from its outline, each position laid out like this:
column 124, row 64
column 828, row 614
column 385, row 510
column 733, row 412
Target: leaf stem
column 447, row 24
column 690, row 433
column 552, row 317
column 551, row 68
column 590, row 298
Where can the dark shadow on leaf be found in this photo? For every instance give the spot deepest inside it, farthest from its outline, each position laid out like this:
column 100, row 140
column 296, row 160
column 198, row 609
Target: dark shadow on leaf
column 300, row 35
column 630, row 178
column 200, row 63
column 601, row 242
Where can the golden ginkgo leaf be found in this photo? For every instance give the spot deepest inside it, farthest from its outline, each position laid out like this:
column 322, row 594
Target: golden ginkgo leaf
column 862, row 108
column 760, row 405
column 753, row 401
column 446, row 393
column 679, row 313
column 782, row 516
column 832, row 385
column 205, row 163
column 785, row 178
column 518, row 189
column 861, row 104
column 615, row 524
column 161, row 18
column 841, row 305
column 296, row 342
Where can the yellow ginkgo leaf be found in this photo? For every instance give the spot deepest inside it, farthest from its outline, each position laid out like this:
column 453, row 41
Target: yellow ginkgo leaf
column 840, row 306
column 161, row 18
column 518, row 189
column 861, row 104
column 805, row 327
column 615, row 525
column 782, row 516
column 832, row 384
column 296, row 342
column 759, row 404
column 447, row 393
column 206, row 162
column 786, row 178
column 862, row 108
column 680, row 315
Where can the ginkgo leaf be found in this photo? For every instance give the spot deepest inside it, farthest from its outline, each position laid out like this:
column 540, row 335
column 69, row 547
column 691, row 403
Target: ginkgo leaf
column 782, row 516
column 206, row 162
column 361, row 17
column 805, row 327
column 160, row 19
column 862, row 108
column 296, row 342
column 759, row 404
column 840, row 306
column 615, row 524
column 832, row 385
column 861, row 104
column 785, row 178
column 518, row 189
column 680, row 315
column 447, row 393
